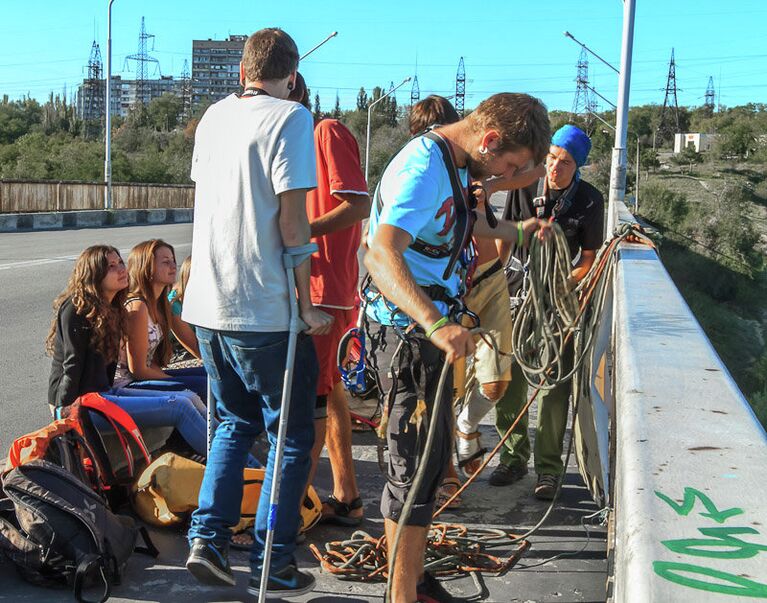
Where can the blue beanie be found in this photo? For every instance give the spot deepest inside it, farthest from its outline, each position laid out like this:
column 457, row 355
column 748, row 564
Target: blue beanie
column 573, row 140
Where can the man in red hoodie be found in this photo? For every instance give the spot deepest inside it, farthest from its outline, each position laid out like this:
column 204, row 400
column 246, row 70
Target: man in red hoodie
column 335, row 210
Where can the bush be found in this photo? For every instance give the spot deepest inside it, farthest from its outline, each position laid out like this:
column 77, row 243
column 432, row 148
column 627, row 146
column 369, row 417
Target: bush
column 665, row 208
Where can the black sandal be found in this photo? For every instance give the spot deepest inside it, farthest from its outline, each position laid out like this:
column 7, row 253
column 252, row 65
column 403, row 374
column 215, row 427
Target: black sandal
column 341, row 511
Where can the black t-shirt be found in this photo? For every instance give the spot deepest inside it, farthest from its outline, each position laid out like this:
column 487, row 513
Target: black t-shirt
column 582, row 223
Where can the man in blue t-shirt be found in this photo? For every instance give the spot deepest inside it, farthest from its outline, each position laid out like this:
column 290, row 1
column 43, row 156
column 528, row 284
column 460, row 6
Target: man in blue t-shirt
column 415, row 228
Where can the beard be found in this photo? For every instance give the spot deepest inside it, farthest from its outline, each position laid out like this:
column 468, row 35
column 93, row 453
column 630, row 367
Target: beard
column 477, row 167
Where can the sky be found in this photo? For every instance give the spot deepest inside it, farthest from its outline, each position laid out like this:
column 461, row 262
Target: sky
column 507, row 46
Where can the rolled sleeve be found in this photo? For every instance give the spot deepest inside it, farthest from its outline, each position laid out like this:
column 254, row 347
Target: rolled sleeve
column 293, row 164
column 343, row 160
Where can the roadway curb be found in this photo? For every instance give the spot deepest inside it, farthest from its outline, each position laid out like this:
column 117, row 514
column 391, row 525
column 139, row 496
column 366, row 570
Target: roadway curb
column 66, row 220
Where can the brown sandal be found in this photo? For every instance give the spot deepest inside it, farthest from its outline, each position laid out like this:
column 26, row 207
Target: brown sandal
column 448, row 487
column 472, row 450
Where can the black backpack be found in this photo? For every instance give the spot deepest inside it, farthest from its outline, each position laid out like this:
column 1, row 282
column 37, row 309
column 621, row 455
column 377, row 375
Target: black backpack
column 59, row 532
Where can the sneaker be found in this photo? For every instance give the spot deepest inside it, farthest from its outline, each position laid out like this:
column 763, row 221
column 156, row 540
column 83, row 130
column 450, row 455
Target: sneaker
column 286, row 583
column 546, row 487
column 504, row 475
column 209, row 563
column 429, row 590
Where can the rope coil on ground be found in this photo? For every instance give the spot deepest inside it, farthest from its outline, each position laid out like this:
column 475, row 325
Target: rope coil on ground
column 452, row 549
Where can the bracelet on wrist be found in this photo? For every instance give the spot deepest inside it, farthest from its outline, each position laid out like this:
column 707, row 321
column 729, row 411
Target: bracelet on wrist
column 437, row 325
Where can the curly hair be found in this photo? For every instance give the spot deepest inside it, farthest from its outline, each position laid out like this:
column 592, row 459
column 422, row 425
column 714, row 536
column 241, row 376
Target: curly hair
column 107, row 319
column 140, row 274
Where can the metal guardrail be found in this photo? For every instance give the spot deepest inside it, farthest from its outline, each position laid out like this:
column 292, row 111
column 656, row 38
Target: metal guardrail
column 690, row 457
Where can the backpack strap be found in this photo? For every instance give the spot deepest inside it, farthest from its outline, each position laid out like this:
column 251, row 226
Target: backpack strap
column 464, row 204
column 114, row 413
column 87, row 566
column 465, row 214
column 19, row 547
column 149, row 548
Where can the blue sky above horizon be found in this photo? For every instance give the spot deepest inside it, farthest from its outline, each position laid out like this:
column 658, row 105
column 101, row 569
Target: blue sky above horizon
column 507, row 46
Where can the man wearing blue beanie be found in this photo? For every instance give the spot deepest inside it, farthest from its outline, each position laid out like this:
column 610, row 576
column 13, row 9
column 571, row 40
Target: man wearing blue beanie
column 578, row 208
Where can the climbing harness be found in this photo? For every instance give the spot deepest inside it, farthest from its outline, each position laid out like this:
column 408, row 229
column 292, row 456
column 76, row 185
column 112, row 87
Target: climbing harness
column 563, row 202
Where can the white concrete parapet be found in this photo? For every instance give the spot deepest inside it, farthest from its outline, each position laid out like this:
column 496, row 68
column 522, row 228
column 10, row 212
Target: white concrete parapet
column 691, row 458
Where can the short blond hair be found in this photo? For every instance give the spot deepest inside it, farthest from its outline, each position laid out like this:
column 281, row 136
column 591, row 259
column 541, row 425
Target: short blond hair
column 521, row 120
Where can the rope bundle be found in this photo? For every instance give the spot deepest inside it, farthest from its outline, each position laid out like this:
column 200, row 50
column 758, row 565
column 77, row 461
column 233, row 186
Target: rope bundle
column 451, row 549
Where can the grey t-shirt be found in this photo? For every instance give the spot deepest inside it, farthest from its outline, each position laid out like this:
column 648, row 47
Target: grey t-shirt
column 247, row 151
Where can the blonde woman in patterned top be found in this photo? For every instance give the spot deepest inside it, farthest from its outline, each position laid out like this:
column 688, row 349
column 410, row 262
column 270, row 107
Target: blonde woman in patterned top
column 148, row 345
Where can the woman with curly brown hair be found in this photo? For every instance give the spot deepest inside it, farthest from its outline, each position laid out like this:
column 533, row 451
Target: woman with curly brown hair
column 150, row 320
column 85, row 340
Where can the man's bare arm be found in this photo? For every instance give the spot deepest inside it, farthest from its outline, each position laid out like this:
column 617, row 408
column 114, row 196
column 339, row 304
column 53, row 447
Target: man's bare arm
column 507, row 230
column 386, row 264
column 583, row 265
column 518, row 180
column 354, row 208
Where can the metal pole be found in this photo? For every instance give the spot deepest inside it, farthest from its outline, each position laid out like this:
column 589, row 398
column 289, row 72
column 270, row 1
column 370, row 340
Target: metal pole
column 636, row 192
column 607, row 100
column 108, row 113
column 334, row 34
column 291, row 261
column 367, row 137
column 587, row 49
column 618, row 167
column 210, row 415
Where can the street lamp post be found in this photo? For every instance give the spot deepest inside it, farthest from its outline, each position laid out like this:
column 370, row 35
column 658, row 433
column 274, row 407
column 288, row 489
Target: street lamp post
column 367, row 138
column 108, row 113
column 333, row 35
column 618, row 166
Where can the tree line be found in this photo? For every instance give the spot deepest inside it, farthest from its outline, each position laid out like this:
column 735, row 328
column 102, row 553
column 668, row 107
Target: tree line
column 48, row 141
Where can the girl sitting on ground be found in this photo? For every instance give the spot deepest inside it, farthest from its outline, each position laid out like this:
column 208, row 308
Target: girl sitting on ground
column 150, row 320
column 183, row 330
column 84, row 341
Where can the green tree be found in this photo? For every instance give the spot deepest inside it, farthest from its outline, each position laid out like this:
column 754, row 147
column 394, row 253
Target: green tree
column 337, row 108
column 317, row 108
column 362, row 100
column 688, row 157
column 164, row 112
column 736, row 140
column 648, row 159
column 663, row 206
column 17, row 118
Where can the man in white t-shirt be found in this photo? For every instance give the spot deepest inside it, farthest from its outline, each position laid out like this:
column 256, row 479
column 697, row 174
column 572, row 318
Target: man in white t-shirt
column 253, row 164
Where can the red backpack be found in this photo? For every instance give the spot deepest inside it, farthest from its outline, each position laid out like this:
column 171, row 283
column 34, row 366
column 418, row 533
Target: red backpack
column 74, row 443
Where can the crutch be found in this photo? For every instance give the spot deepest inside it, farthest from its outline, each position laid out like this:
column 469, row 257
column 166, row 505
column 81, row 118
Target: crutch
column 291, row 259
column 211, row 404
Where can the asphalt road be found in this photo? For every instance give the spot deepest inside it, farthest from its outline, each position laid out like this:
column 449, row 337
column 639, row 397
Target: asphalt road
column 34, row 268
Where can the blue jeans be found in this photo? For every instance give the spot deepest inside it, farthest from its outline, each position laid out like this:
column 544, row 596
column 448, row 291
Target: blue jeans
column 178, row 409
column 246, row 373
column 193, row 378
